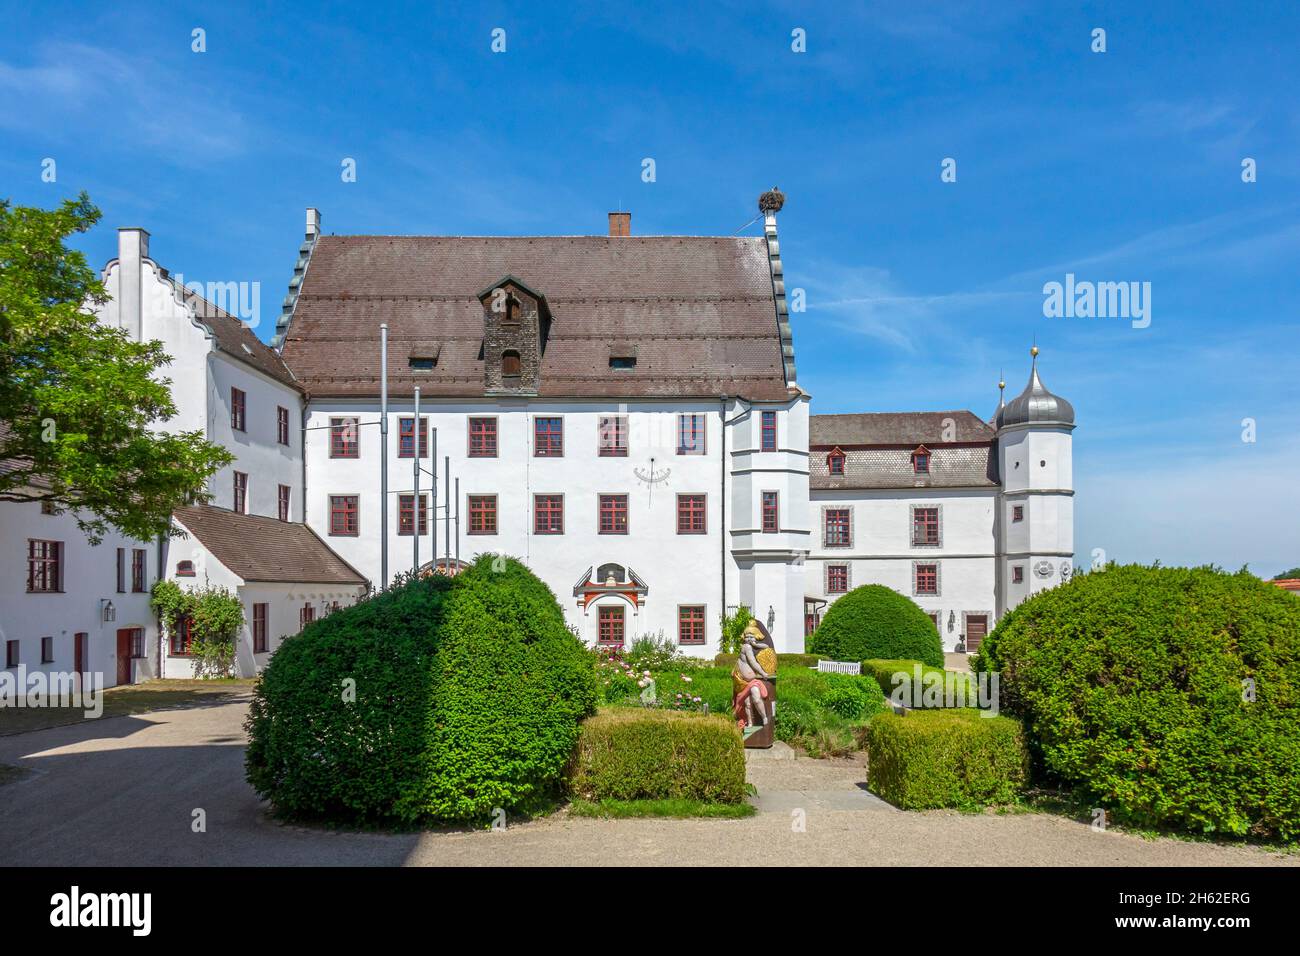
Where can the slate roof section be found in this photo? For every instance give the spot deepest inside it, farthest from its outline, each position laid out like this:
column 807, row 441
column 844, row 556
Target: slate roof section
column 896, row 428
column 700, row 311
column 878, row 448
column 237, row 340
column 266, row 549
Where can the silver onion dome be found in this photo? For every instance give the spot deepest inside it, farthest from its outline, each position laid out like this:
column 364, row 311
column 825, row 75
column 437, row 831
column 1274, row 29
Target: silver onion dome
column 1035, row 405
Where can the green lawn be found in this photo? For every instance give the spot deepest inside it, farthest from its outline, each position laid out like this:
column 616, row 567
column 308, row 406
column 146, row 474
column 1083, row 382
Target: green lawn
column 128, row 699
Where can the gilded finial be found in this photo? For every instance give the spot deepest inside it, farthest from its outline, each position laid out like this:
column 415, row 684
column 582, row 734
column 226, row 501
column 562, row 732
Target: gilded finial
column 1034, row 351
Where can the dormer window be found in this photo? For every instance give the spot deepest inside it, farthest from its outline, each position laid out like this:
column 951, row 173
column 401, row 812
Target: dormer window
column 622, row 362
column 921, row 461
column 835, row 462
column 423, row 364
column 510, row 367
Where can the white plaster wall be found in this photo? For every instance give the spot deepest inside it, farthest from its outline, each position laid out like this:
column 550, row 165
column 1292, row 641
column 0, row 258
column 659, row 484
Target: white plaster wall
column 257, row 451
column 882, row 553
column 89, row 575
column 679, row 569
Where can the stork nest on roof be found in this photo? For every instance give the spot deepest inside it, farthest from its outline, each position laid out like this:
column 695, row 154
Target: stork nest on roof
column 771, row 201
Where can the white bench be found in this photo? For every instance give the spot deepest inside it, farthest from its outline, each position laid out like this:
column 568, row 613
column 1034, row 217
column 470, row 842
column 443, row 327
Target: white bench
column 839, row 667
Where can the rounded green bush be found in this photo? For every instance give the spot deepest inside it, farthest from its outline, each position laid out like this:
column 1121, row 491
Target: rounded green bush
column 436, row 701
column 875, row 621
column 1170, row 696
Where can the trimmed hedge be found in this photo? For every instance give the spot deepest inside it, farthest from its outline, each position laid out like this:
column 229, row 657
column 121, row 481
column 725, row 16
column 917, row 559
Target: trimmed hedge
column 468, row 696
column 876, row 622
column 933, row 759
column 883, row 673
column 1130, row 681
column 630, row 754
column 789, row 660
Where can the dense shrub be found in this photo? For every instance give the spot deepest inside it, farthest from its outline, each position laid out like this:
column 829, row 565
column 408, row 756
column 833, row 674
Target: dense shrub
column 510, row 685
column 1136, row 687
column 874, row 621
column 338, row 719
column 468, row 695
column 945, row 758
column 711, row 684
column 631, row 754
column 789, row 660
column 819, row 712
column 956, row 688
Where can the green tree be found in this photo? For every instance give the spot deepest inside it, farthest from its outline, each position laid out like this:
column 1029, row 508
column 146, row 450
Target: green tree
column 80, row 398
column 1287, row 575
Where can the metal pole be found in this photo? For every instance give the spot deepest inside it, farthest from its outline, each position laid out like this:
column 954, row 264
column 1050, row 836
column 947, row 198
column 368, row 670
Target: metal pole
column 383, row 456
column 457, row 522
column 415, row 502
column 433, row 496
column 446, row 467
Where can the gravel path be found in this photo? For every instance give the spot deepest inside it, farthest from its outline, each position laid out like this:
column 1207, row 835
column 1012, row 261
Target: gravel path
column 125, row 790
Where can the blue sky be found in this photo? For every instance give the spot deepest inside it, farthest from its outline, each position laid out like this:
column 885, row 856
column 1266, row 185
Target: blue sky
column 1115, row 166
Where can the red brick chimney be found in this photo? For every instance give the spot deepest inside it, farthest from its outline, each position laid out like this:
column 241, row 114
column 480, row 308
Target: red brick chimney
column 620, row 224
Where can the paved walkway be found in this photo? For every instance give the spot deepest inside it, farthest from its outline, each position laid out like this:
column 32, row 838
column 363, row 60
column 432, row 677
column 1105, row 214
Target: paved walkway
column 125, row 790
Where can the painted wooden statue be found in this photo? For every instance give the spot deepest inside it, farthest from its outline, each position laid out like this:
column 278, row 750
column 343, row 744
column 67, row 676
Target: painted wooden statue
column 753, row 685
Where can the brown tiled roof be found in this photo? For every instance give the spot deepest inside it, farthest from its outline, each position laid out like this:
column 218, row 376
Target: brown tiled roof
column 878, row 448
column 1289, row 584
column 896, row 428
column 266, row 549
column 238, row 341
column 699, row 310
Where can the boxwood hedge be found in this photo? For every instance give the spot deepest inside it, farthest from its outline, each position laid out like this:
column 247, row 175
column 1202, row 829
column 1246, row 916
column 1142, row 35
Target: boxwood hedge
column 1170, row 696
column 955, row 758
column 468, row 696
column 628, row 753
column 875, row 621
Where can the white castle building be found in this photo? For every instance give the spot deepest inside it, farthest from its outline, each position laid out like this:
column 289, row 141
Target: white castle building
column 620, row 412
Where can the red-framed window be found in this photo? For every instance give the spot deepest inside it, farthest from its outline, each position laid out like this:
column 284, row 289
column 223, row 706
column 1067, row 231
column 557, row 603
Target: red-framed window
column 47, row 650
column 838, row 531
column 927, row 579
column 482, row 438
column 283, row 501
column 690, row 434
column 921, row 462
column 137, row 642
column 482, row 514
column 925, row 527
column 182, row 637
column 613, row 514
column 548, row 437
column 769, row 431
column 241, row 493
column 691, row 514
column 406, row 437
column 1017, row 574
column 1017, row 512
column 548, row 514
column 612, row 437
column 610, row 625
column 12, row 657
column 343, row 515
column 259, row 628
column 343, row 438
column 406, row 514
column 185, row 569
column 238, row 403
column 121, row 570
column 771, row 512
column 306, row 614
column 837, row 578
column 282, row 424
column 835, row 463
column 690, row 624
column 44, row 566
column 139, row 556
